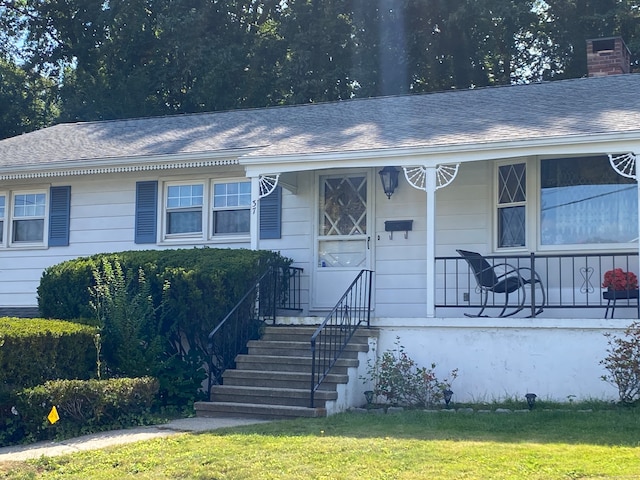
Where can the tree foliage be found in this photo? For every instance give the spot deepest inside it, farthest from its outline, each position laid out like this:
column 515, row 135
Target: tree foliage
column 27, row 102
column 126, row 58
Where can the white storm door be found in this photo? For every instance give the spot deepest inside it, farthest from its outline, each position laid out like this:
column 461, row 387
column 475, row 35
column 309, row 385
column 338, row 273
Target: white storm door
column 343, row 243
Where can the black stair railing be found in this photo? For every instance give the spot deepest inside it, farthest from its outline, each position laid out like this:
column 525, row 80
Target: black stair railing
column 276, row 289
column 333, row 335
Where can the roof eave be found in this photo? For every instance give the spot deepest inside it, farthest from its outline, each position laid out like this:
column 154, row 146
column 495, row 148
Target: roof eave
column 125, row 164
column 620, row 142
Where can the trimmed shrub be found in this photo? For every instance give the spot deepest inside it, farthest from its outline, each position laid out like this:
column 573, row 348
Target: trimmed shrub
column 36, row 350
column 156, row 308
column 84, row 406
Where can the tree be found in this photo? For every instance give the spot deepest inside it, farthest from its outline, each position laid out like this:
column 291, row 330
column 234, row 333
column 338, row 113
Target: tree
column 567, row 24
column 27, row 100
column 126, row 58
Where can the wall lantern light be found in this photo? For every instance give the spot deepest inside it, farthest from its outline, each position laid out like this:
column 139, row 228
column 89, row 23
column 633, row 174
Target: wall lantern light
column 389, row 177
column 531, row 400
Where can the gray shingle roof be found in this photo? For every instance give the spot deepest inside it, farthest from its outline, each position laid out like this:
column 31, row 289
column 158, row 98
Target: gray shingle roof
column 512, row 113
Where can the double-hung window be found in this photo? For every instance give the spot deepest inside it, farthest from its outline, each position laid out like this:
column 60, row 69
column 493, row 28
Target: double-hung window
column 28, row 217
column 231, row 203
column 206, row 210
column 184, row 209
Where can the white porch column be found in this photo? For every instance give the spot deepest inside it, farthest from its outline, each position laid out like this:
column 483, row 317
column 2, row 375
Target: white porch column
column 255, row 213
column 430, row 179
column 430, row 187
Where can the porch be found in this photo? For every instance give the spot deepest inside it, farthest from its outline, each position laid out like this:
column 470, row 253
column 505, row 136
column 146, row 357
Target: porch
column 569, row 286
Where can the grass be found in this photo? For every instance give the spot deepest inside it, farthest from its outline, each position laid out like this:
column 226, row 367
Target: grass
column 558, row 444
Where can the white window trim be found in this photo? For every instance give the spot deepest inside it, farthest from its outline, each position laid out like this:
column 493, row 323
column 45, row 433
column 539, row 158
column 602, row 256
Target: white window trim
column 176, row 237
column 529, row 228
column 163, row 211
column 5, row 218
column 9, row 218
column 581, row 248
column 533, row 216
column 206, row 236
column 226, row 236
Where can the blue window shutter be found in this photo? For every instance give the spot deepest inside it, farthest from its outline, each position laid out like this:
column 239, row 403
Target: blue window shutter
column 271, row 214
column 59, row 216
column 146, row 212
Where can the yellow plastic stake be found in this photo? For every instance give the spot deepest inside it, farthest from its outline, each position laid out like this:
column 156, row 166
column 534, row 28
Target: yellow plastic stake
column 53, row 416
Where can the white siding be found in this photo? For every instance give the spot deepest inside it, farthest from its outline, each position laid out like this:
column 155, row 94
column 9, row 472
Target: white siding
column 102, row 220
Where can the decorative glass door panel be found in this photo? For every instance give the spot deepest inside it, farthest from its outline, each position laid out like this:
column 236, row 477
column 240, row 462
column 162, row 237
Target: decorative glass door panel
column 342, row 235
column 343, row 221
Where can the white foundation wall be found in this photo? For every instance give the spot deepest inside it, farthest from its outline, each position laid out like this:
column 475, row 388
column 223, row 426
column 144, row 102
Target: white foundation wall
column 497, row 359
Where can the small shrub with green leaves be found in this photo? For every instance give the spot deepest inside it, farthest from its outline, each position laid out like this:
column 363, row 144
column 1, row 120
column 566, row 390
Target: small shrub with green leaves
column 84, row 406
column 623, row 363
column 399, row 380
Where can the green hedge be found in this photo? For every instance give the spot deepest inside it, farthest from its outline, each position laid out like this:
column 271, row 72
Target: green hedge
column 159, row 307
column 83, row 406
column 33, row 351
column 204, row 281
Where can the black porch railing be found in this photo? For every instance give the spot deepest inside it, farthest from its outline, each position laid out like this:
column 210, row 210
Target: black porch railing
column 334, row 333
column 571, row 281
column 277, row 289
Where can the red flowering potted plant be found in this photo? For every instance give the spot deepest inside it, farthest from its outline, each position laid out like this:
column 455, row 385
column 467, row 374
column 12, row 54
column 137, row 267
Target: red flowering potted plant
column 619, row 280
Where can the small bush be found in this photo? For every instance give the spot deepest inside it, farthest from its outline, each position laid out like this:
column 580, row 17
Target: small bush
column 84, row 406
column 400, row 381
column 35, row 350
column 623, row 363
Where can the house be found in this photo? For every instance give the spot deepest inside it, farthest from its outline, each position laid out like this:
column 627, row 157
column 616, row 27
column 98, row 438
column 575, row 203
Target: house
column 540, row 173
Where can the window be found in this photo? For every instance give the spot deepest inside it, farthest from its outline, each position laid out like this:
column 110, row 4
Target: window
column 184, row 209
column 187, row 204
column 231, row 202
column 584, row 201
column 28, row 217
column 512, row 198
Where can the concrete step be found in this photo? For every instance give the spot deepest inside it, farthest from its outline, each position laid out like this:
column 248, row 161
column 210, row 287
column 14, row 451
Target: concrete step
column 263, row 378
column 297, row 349
column 283, row 363
column 273, row 379
column 303, row 333
column 249, row 410
column 270, row 396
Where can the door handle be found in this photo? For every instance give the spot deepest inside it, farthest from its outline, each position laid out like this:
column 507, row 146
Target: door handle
column 368, row 242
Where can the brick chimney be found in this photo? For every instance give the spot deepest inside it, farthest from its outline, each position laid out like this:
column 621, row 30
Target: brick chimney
column 607, row 56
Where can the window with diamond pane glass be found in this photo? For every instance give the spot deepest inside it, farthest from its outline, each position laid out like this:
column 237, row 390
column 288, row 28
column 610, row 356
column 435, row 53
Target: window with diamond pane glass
column 342, row 221
column 584, row 201
column 343, row 206
column 512, row 197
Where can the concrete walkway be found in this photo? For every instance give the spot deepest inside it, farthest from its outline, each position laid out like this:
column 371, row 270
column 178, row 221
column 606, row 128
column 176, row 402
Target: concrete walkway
column 119, row 437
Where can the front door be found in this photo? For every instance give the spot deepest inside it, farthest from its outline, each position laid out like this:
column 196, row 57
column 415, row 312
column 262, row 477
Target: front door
column 343, row 243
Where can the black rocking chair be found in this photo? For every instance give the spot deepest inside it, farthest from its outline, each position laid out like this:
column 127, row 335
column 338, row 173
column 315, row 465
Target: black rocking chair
column 508, row 280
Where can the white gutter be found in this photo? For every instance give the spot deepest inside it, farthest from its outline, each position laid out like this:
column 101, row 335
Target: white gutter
column 123, row 165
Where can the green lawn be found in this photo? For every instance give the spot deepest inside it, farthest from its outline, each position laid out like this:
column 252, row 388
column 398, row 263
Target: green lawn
column 410, row 445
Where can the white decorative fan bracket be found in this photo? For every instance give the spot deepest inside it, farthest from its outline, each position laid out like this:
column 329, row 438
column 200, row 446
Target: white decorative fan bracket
column 417, row 176
column 268, row 184
column 624, row 165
